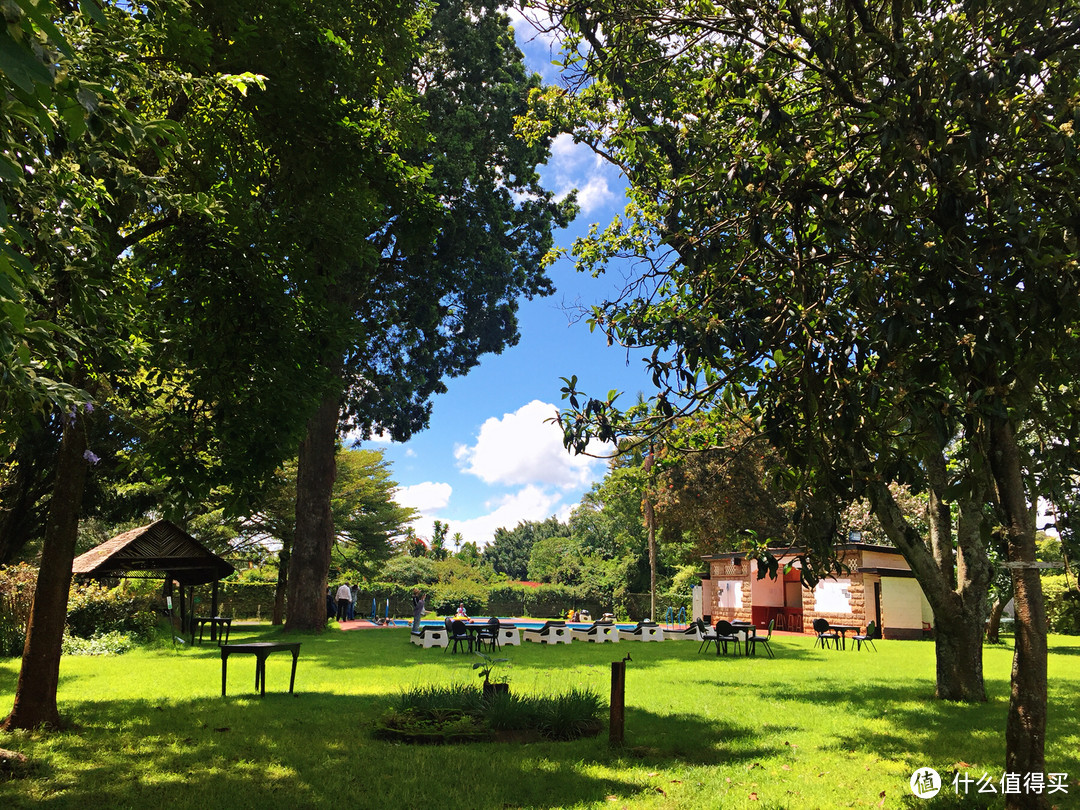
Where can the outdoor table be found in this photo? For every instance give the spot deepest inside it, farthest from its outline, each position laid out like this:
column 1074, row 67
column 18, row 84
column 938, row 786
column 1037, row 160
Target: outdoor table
column 260, row 649
column 843, row 629
column 749, row 628
column 217, row 622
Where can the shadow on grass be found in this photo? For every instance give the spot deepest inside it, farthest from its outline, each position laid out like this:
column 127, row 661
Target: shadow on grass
column 314, row 750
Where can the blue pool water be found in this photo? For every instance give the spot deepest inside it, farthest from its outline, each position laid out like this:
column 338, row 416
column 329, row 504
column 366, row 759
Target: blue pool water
column 523, row 625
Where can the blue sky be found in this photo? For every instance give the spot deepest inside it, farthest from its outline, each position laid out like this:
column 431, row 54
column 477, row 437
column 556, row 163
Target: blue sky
column 489, row 458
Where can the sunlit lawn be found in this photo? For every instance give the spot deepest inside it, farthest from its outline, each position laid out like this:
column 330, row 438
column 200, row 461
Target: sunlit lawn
column 810, row 729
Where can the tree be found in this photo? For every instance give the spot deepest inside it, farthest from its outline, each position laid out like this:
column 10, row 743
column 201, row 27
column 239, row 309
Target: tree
column 438, row 540
column 717, row 485
column 555, row 559
column 510, row 549
column 858, row 221
column 367, row 519
column 91, row 172
column 444, row 268
column 109, row 176
column 469, row 554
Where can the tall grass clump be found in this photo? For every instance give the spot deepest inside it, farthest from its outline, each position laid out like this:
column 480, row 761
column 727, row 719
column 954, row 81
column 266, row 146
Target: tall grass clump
column 439, row 713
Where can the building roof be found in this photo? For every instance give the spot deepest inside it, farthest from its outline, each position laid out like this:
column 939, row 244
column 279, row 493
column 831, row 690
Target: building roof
column 792, row 551
column 161, row 548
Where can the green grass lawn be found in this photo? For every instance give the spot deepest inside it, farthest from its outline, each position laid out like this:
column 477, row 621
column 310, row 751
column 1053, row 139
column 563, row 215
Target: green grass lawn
column 811, row 729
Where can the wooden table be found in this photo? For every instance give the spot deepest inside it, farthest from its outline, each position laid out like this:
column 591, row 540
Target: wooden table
column 260, row 649
column 217, row 623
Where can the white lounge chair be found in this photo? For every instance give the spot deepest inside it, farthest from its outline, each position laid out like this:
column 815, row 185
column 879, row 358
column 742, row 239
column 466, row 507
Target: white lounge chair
column 508, row 634
column 599, row 633
column 645, row 631
column 691, row 633
column 550, row 633
column 429, row 636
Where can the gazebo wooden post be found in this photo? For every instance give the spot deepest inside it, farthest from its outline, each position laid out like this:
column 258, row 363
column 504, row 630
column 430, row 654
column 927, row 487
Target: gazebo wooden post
column 183, row 611
column 168, row 589
column 213, row 610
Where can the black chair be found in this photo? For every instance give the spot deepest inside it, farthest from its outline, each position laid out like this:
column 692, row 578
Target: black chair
column 825, row 634
column 726, row 634
column 707, row 635
column 754, row 640
column 489, row 635
column 867, row 637
column 459, row 634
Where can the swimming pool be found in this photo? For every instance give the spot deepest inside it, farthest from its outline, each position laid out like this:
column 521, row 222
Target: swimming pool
column 525, row 624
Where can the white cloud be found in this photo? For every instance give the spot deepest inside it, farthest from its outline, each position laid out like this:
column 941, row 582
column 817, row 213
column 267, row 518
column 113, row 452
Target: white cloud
column 575, row 166
column 595, row 194
column 429, row 496
column 355, row 437
column 525, row 448
column 530, row 503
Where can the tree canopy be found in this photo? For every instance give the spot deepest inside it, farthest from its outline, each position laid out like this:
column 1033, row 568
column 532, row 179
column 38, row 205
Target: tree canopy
column 858, row 221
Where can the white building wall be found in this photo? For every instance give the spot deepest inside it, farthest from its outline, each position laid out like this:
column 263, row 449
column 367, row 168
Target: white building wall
column 902, row 603
column 833, row 596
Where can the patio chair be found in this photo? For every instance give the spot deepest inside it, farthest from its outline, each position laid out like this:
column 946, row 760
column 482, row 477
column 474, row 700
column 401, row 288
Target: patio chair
column 825, row 634
column 706, row 635
column 459, row 634
column 754, row 640
column 726, row 634
column 867, row 637
column 489, row 634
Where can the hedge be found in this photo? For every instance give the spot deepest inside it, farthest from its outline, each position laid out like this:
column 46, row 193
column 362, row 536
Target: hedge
column 1062, row 604
column 248, row 600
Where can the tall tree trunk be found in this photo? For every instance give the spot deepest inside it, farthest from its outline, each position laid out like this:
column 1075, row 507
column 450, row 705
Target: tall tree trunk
column 1025, row 728
column 958, row 599
column 958, row 647
column 309, row 566
column 993, row 624
column 282, row 584
column 35, row 694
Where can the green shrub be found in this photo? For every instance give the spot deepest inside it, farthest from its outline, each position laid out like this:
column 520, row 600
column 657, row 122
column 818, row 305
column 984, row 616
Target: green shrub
column 445, row 597
column 1062, row 604
column 246, row 599
column 17, row 584
column 458, row 713
column 94, row 610
column 111, row 643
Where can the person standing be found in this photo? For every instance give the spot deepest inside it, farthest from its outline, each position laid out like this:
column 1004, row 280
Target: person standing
column 354, row 592
column 344, row 597
column 418, row 609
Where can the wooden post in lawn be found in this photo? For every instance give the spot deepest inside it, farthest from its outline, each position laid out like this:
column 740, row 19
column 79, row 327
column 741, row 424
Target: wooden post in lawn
column 618, row 702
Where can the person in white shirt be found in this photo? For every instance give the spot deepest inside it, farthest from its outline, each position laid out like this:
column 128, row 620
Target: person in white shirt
column 344, row 599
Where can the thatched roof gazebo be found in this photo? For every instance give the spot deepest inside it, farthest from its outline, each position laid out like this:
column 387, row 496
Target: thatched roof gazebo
column 161, row 550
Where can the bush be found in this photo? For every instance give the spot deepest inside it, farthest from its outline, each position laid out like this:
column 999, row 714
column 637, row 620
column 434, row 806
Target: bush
column 445, row 597
column 246, row 599
column 446, row 714
column 94, row 610
column 111, row 643
column 17, row 584
column 1062, row 604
